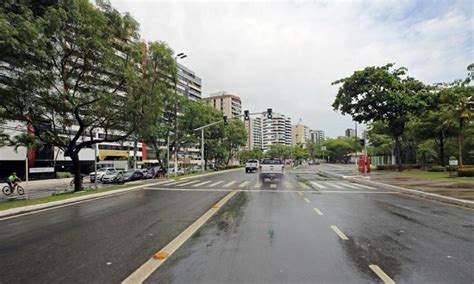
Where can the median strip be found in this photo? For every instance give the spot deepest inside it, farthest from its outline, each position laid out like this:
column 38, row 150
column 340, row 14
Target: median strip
column 381, row 274
column 151, row 265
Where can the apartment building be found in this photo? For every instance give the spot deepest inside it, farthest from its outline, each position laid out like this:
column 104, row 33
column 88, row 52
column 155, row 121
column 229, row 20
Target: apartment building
column 276, row 130
column 300, row 134
column 350, row 132
column 229, row 104
column 189, row 84
column 254, row 133
column 317, row 136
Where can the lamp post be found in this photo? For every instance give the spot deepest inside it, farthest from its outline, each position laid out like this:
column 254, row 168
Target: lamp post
column 176, row 138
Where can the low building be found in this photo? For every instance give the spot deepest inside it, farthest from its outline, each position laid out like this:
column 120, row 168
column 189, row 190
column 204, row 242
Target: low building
column 300, row 134
column 229, row 104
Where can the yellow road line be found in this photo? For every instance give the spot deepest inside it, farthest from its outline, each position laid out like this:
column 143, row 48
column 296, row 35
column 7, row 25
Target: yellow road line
column 152, row 264
column 381, row 274
column 318, row 211
column 339, row 232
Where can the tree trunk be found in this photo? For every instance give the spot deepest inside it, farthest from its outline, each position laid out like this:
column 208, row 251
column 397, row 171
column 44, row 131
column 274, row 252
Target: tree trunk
column 461, row 142
column 77, row 171
column 398, row 156
column 442, row 154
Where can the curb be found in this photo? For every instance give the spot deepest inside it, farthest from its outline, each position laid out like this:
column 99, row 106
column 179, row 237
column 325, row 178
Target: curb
column 37, row 207
column 422, row 194
column 211, row 174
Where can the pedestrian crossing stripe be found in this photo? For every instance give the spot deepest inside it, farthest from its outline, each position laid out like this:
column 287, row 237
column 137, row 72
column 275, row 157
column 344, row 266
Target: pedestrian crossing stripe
column 230, row 183
column 288, row 185
column 335, row 185
column 163, row 182
column 202, row 183
column 303, row 185
column 175, row 182
column 347, row 185
column 189, row 182
column 216, row 183
column 273, row 185
column 244, row 184
column 318, row 185
column 257, row 185
column 365, row 186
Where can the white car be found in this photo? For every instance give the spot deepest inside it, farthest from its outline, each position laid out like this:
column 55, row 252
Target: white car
column 251, row 165
column 100, row 173
column 112, row 177
column 271, row 168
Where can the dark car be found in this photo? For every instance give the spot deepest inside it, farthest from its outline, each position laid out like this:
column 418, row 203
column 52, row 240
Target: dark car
column 132, row 175
column 156, row 172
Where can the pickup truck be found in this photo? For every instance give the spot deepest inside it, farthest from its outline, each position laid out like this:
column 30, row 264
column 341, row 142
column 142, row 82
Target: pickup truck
column 271, row 168
column 251, row 165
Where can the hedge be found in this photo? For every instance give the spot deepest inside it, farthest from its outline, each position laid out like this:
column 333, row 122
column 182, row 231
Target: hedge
column 436, row 169
column 466, row 172
column 63, row 175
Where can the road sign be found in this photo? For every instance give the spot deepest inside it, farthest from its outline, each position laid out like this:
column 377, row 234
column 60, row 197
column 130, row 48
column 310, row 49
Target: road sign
column 323, row 148
column 453, row 162
column 42, row 170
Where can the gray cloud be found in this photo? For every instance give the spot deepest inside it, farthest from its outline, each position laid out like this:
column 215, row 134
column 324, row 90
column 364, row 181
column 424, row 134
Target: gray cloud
column 286, row 54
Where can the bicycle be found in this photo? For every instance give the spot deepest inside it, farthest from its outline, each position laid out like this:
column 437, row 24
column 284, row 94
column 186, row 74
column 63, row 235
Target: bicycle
column 7, row 190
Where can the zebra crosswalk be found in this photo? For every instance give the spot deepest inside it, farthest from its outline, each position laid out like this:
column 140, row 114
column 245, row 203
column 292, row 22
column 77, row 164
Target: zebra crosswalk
column 288, row 184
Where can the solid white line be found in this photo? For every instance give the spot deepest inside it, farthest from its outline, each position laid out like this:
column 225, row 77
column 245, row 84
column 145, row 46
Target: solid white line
column 201, row 183
column 303, row 185
column 335, row 185
column 216, row 183
column 339, row 233
column 318, row 211
column 381, row 274
column 307, row 200
column 318, row 185
column 152, row 264
column 273, row 185
column 244, row 184
column 230, row 183
column 189, row 182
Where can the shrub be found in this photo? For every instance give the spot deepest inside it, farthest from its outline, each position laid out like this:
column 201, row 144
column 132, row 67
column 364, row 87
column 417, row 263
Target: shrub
column 466, row 172
column 436, row 169
column 63, row 175
column 451, row 168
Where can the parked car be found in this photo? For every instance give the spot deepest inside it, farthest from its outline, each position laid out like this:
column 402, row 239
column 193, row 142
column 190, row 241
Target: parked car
column 132, row 175
column 156, row 172
column 100, row 173
column 180, row 171
column 145, row 172
column 113, row 177
column 251, row 165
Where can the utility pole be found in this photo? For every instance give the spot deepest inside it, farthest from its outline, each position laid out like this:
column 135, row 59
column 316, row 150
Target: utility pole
column 355, row 144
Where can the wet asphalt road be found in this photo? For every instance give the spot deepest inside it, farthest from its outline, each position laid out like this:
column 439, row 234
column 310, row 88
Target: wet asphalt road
column 268, row 233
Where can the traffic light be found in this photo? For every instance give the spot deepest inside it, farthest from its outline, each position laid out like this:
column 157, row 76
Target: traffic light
column 269, row 113
column 246, row 115
column 361, row 142
column 225, row 120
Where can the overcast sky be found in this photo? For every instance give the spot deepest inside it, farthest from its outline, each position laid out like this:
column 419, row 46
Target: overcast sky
column 285, row 55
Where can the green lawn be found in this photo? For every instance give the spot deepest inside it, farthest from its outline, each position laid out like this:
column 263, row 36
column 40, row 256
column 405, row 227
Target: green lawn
column 19, row 203
column 428, row 175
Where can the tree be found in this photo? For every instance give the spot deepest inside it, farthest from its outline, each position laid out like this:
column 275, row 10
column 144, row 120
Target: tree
column 279, row 151
column 381, row 94
column 313, row 149
column 235, row 136
column 68, row 72
column 300, row 153
column 246, row 155
column 338, row 149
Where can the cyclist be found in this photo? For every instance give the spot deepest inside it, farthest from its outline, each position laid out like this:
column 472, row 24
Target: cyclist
column 12, row 181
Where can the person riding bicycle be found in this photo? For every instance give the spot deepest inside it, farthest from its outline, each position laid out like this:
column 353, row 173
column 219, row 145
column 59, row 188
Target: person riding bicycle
column 12, row 181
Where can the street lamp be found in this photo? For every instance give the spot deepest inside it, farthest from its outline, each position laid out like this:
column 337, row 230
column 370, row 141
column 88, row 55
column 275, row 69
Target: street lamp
column 180, row 55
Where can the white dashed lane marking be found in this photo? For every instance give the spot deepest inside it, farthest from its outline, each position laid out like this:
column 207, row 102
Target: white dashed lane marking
column 307, row 200
column 318, row 211
column 339, row 232
column 381, row 274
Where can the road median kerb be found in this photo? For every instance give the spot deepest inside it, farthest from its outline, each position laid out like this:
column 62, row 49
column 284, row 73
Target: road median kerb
column 52, row 204
column 427, row 195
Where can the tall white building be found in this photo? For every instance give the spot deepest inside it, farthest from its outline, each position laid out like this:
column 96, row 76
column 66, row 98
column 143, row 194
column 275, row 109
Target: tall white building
column 276, row 130
column 189, row 84
column 254, row 133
